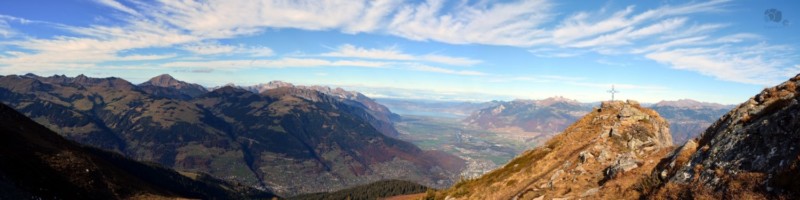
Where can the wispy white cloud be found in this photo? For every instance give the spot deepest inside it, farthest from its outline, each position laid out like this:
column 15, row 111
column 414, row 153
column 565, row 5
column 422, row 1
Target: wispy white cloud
column 315, row 63
column 236, row 17
column 374, row 16
column 392, row 53
column 5, row 29
column 119, row 6
column 278, row 63
column 463, row 61
column 534, row 79
column 507, row 23
column 426, row 68
column 586, row 29
column 211, row 48
column 666, row 34
column 761, row 64
column 140, row 57
column 351, row 51
column 556, row 52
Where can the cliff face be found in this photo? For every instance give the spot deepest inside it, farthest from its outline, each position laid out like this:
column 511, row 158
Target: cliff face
column 601, row 156
column 751, row 153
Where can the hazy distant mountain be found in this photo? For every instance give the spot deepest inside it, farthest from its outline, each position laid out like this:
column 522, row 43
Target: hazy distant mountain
column 289, row 139
column 36, row 163
column 377, row 115
column 542, row 117
column 451, row 109
column 688, row 118
column 263, row 87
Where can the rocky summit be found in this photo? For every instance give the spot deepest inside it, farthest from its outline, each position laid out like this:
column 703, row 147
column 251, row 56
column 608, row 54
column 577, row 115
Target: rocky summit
column 601, row 156
column 751, row 152
column 168, row 86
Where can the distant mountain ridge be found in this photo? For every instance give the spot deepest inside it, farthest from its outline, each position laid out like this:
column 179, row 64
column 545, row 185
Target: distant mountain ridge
column 689, row 118
column 166, row 81
column 540, row 117
column 690, row 104
column 289, row 139
column 377, row 115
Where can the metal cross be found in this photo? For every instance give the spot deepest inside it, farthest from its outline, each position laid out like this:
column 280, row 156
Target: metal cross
column 613, row 91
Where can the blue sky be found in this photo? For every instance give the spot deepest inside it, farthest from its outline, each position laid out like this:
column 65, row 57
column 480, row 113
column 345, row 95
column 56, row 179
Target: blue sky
column 715, row 51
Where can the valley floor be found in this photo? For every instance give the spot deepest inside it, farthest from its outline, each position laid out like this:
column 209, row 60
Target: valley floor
column 484, row 150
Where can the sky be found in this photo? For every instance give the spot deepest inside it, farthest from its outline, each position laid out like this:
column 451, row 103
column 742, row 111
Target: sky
column 470, row 50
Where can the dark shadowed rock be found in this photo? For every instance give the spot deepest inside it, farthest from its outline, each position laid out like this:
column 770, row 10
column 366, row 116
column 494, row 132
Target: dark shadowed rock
column 36, row 163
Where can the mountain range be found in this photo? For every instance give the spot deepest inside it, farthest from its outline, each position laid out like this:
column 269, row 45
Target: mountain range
column 36, row 163
column 689, row 118
column 235, row 142
column 532, row 119
column 289, row 140
column 379, row 116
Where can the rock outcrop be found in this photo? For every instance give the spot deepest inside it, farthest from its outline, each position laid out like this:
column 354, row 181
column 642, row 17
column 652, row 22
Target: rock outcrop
column 600, row 156
column 750, row 153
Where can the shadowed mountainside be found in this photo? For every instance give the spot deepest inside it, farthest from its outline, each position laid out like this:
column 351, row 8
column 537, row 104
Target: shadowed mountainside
column 37, row 163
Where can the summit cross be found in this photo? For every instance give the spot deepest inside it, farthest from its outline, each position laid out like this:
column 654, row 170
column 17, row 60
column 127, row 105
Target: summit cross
column 613, row 91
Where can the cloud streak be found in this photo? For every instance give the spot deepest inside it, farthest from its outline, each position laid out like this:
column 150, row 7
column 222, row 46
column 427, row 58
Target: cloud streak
column 392, row 53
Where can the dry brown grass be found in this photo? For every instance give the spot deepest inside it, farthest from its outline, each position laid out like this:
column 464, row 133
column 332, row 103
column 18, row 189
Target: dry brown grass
column 528, row 175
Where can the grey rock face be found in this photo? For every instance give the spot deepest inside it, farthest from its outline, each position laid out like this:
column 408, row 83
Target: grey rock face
column 760, row 136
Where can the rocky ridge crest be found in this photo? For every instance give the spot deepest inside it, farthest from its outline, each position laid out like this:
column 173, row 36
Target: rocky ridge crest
column 750, row 153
